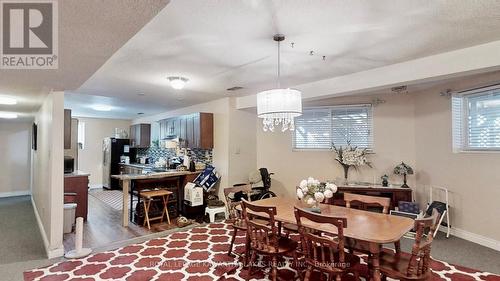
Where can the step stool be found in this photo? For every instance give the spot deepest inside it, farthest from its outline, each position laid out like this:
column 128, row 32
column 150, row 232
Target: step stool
column 216, row 210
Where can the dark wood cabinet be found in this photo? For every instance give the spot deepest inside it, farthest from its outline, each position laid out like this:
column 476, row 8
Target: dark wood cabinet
column 193, row 130
column 67, row 129
column 395, row 193
column 78, row 185
column 140, row 135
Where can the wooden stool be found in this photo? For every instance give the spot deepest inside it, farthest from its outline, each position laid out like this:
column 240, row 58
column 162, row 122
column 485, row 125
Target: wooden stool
column 148, row 197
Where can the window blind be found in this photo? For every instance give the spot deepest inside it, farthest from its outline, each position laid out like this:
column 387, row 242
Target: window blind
column 317, row 128
column 476, row 119
column 484, row 120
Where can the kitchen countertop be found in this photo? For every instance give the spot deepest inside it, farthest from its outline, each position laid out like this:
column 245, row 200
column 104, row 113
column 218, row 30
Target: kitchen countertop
column 156, row 175
column 76, row 173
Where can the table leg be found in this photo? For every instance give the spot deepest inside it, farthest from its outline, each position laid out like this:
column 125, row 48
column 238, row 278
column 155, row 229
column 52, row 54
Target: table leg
column 125, row 214
column 375, row 253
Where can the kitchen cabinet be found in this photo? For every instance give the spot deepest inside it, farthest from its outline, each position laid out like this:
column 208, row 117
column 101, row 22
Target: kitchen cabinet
column 67, row 129
column 140, row 135
column 193, row 130
column 78, row 183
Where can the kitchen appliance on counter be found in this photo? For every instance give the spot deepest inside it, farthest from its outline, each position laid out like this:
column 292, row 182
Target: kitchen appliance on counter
column 114, row 150
column 69, row 164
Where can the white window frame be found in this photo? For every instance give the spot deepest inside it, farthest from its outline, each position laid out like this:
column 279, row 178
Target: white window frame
column 331, row 107
column 461, row 138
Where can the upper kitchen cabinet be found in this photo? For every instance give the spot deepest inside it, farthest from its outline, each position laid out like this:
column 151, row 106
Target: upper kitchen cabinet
column 193, row 130
column 67, row 129
column 140, row 135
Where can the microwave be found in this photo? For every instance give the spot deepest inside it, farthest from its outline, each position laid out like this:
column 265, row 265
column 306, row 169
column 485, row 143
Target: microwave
column 69, row 165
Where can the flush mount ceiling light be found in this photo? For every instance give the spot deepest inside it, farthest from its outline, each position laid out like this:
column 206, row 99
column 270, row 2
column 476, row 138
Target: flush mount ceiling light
column 102, row 107
column 8, row 100
column 177, row 82
column 8, row 115
column 280, row 105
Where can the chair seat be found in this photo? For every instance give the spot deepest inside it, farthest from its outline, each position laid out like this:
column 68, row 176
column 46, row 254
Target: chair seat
column 241, row 224
column 285, row 245
column 395, row 265
column 291, row 227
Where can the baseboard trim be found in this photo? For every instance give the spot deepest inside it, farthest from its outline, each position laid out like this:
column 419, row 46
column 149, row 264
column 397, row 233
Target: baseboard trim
column 14, row 193
column 95, row 186
column 55, row 253
column 473, row 237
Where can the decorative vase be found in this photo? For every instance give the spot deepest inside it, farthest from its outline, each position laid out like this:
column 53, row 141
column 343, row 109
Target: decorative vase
column 346, row 173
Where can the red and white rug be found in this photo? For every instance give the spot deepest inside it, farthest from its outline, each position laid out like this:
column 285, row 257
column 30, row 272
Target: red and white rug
column 197, row 254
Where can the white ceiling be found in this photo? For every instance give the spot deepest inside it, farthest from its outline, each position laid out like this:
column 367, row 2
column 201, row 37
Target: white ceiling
column 89, row 33
column 226, row 43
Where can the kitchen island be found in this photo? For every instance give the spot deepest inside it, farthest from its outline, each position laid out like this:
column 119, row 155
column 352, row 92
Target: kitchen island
column 127, row 181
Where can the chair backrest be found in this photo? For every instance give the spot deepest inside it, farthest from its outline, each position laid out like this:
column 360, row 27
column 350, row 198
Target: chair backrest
column 262, row 236
column 420, row 255
column 321, row 250
column 231, row 205
column 382, row 202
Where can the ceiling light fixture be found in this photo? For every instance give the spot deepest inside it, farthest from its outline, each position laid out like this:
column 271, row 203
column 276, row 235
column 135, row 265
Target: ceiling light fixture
column 8, row 100
column 102, row 107
column 280, row 105
column 8, row 115
column 177, row 82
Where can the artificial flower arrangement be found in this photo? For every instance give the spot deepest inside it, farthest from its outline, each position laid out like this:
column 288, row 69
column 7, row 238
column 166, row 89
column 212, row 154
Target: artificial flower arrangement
column 313, row 191
column 350, row 156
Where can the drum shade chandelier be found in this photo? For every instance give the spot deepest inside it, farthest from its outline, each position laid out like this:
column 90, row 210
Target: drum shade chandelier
column 280, row 105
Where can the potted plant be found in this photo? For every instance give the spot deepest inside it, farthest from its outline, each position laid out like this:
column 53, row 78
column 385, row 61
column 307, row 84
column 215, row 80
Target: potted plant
column 350, row 156
column 313, row 192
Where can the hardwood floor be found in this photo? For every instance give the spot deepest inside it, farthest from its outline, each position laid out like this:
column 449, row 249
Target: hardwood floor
column 103, row 226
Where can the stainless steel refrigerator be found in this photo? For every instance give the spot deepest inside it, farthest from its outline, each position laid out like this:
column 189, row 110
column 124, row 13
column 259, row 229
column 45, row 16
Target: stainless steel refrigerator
column 112, row 149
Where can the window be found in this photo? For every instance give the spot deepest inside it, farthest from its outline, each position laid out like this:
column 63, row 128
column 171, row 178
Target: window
column 81, row 135
column 318, row 127
column 476, row 119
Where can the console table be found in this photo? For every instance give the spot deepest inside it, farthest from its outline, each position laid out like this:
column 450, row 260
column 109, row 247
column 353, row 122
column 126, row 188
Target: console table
column 396, row 193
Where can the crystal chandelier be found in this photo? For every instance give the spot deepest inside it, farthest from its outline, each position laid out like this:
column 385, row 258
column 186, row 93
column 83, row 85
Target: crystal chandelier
column 280, row 105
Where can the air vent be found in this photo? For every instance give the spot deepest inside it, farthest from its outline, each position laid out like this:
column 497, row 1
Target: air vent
column 236, row 88
column 400, row 89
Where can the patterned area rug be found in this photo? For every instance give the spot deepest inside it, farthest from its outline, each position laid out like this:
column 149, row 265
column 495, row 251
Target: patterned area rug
column 112, row 198
column 197, row 254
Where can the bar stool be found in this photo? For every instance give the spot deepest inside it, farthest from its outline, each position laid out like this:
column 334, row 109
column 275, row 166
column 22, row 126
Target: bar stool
column 148, row 198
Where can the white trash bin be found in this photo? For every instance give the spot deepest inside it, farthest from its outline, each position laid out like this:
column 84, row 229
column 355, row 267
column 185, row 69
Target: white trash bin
column 69, row 217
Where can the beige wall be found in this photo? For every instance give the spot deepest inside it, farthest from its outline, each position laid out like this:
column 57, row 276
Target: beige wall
column 394, row 141
column 90, row 158
column 15, row 151
column 415, row 128
column 48, row 172
column 473, row 179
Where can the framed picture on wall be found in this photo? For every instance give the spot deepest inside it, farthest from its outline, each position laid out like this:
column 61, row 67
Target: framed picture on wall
column 34, row 137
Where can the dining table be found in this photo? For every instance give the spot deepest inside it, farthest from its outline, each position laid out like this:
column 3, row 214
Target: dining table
column 374, row 228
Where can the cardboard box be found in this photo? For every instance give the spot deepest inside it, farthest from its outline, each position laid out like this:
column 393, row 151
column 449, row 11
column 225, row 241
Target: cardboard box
column 193, row 194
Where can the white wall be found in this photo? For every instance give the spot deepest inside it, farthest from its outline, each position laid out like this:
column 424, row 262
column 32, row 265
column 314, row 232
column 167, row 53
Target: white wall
column 90, row 158
column 48, row 173
column 15, row 151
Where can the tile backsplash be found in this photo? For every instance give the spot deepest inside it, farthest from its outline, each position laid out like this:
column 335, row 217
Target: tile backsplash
column 154, row 153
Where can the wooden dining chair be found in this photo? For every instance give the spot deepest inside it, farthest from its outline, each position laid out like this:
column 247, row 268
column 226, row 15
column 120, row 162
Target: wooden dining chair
column 235, row 217
column 323, row 252
column 414, row 266
column 363, row 201
column 265, row 238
